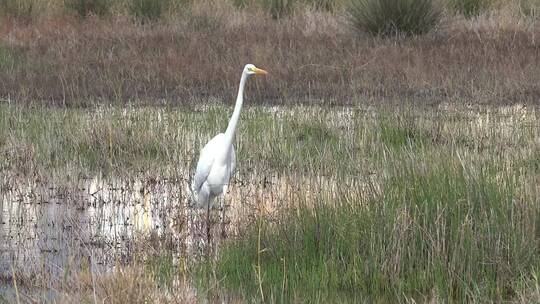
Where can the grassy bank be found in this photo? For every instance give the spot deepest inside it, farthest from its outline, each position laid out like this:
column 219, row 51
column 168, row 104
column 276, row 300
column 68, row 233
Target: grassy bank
column 196, row 54
column 371, row 203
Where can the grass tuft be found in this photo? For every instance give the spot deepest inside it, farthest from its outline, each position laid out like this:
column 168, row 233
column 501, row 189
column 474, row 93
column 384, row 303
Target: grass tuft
column 394, row 17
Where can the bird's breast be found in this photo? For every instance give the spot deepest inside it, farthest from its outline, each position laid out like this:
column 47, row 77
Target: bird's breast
column 218, row 177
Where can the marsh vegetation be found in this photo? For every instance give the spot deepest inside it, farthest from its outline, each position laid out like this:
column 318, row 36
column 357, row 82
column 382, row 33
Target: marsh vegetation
column 349, row 204
column 392, row 154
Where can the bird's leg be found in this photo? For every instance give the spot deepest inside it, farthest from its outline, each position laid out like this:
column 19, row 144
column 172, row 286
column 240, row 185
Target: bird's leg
column 208, row 229
column 222, row 213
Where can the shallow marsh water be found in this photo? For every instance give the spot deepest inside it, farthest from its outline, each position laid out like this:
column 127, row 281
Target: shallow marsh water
column 47, row 227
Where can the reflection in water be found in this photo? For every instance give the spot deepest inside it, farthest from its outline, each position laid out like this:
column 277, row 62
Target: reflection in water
column 47, row 229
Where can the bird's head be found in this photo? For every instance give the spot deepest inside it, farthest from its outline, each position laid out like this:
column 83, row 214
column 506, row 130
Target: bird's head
column 250, row 69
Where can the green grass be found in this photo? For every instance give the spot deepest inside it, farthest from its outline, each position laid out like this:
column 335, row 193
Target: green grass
column 401, row 134
column 470, row 8
column 164, row 271
column 446, row 220
column 148, row 10
column 113, row 140
column 436, row 230
column 530, row 8
column 9, row 59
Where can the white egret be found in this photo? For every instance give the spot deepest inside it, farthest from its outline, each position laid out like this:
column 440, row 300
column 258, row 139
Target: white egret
column 217, row 160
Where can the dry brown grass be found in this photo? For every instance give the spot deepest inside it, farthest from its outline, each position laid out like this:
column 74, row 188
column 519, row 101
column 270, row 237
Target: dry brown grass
column 311, row 56
column 124, row 284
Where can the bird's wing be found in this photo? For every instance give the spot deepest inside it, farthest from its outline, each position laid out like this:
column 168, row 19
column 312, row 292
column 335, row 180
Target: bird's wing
column 201, row 173
column 205, row 163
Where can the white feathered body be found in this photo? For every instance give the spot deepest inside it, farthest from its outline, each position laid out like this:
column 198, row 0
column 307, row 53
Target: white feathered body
column 215, row 167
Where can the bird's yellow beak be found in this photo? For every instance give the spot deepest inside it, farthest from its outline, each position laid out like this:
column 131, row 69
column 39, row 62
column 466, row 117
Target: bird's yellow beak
column 258, row 71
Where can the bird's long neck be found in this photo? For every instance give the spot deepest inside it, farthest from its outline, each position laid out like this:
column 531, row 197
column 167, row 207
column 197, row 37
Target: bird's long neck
column 231, row 128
